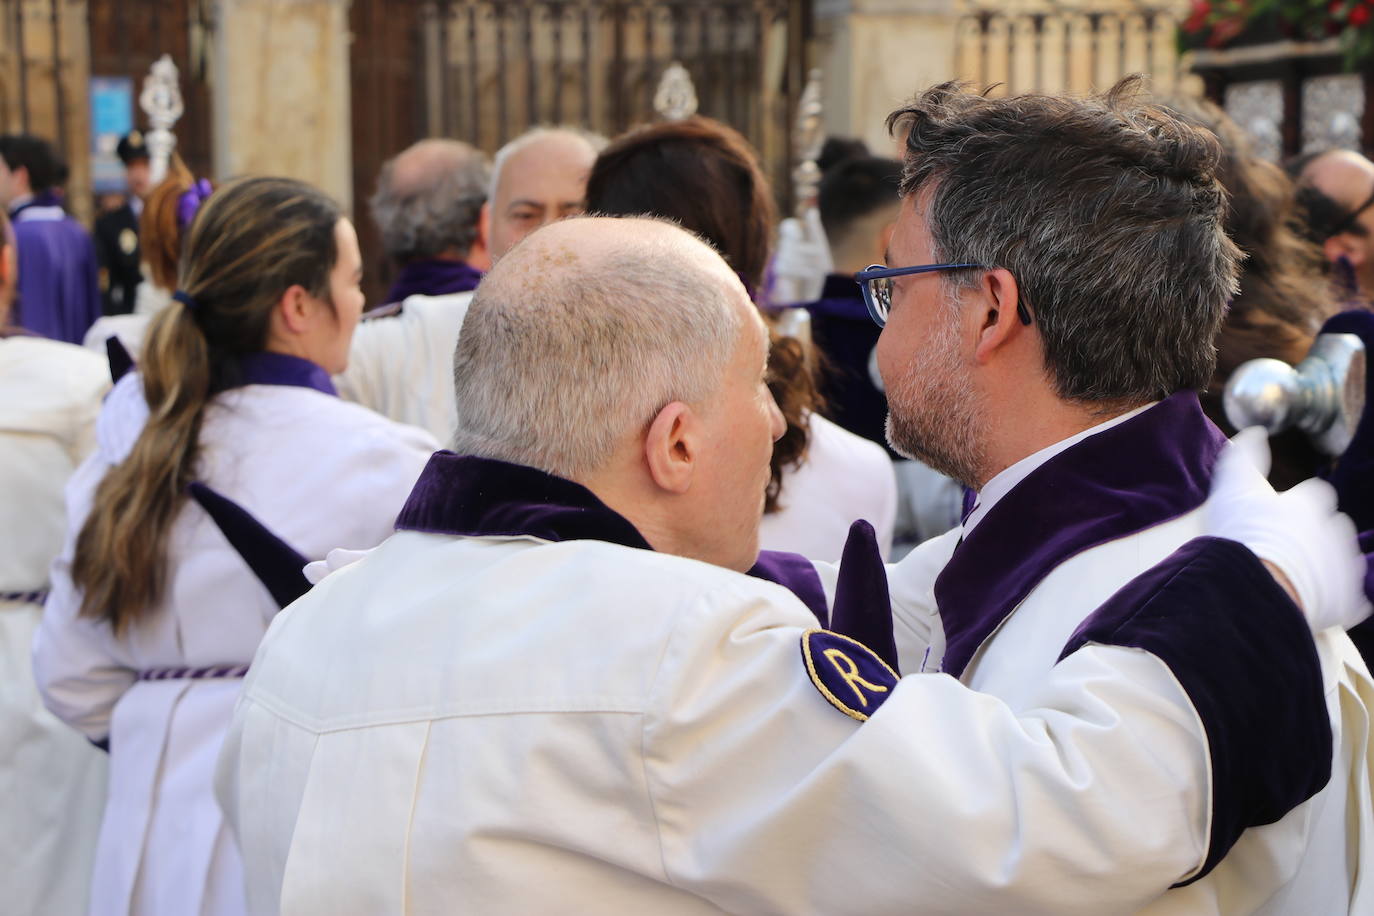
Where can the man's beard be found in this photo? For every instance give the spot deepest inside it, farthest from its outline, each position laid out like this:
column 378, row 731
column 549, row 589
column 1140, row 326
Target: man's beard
column 935, row 415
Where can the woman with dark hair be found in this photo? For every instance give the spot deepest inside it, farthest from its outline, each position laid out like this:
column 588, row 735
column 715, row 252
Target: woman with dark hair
column 54, row 781
column 1283, row 297
column 153, row 617
column 704, row 175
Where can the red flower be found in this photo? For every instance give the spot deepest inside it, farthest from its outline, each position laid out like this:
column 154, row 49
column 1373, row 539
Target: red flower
column 1335, row 7
column 1359, row 15
column 1197, row 18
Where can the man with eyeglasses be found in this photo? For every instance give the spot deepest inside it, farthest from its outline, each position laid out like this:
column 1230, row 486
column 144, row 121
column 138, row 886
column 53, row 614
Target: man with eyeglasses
column 1050, row 298
column 1336, row 190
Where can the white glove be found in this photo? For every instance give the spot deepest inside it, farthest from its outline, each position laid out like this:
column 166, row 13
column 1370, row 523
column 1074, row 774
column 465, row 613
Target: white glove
column 802, row 260
column 1298, row 531
column 335, row 560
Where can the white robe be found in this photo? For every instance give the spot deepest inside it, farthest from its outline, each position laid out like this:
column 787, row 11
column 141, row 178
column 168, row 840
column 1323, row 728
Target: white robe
column 504, row 724
column 132, row 328
column 402, row 365
column 318, row 472
column 52, row 780
column 1310, row 861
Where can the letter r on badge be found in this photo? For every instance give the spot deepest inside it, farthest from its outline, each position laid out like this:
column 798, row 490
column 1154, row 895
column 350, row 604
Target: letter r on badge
column 845, row 667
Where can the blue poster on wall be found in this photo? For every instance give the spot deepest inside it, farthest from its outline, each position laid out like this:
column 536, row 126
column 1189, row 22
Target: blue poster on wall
column 112, row 116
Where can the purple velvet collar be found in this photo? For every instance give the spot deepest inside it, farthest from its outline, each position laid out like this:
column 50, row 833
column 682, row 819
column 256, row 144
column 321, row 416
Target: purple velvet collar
column 480, row 497
column 1151, row 468
column 280, row 369
column 433, row 277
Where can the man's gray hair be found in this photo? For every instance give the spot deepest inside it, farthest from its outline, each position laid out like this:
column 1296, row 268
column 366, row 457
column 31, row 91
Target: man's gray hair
column 1108, row 213
column 564, row 351
column 429, row 198
column 594, row 140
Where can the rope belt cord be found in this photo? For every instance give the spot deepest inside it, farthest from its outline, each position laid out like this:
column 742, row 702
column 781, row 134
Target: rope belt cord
column 35, row 597
column 193, row 674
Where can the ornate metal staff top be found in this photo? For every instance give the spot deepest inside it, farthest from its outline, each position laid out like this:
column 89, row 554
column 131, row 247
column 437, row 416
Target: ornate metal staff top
column 161, row 102
column 676, row 97
column 810, row 137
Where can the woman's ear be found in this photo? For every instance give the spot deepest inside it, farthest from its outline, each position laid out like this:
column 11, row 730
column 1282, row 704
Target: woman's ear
column 670, row 447
column 293, row 308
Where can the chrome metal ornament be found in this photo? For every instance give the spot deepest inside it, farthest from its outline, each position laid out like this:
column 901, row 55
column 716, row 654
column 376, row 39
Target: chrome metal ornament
column 810, row 137
column 676, row 97
column 161, row 102
column 1324, row 395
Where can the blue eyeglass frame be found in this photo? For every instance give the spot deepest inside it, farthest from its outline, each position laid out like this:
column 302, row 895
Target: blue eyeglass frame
column 866, row 277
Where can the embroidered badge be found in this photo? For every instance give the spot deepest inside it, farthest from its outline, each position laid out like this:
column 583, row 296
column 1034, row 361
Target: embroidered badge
column 848, row 674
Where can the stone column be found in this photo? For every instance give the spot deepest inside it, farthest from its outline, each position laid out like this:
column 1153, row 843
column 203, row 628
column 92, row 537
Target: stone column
column 281, row 92
column 875, row 54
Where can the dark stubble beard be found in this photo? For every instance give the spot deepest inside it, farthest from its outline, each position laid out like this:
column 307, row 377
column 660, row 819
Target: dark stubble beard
column 935, row 415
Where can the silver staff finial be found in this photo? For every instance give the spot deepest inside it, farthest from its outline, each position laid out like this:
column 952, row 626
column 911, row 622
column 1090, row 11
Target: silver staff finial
column 161, row 102
column 810, row 138
column 1324, row 395
column 676, row 97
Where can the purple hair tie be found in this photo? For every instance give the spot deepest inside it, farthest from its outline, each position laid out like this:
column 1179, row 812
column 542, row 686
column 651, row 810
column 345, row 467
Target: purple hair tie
column 190, row 200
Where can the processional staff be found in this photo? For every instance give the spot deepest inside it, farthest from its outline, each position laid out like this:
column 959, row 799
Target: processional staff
column 161, row 102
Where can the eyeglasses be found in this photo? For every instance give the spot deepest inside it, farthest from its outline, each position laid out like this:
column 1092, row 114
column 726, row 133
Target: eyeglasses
column 876, row 282
column 1348, row 222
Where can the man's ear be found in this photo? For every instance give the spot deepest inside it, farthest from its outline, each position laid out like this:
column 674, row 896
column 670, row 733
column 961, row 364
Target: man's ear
column 293, row 309
column 998, row 295
column 670, row 447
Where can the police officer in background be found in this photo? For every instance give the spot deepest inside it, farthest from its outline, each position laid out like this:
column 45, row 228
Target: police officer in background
column 116, row 231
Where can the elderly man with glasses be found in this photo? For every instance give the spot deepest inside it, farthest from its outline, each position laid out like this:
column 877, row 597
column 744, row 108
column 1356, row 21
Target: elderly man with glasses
column 1336, row 190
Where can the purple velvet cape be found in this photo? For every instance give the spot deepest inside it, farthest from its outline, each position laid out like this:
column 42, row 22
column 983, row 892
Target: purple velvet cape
column 1243, row 653
column 476, row 497
column 433, row 277
column 59, row 292
column 276, row 564
column 1153, row 467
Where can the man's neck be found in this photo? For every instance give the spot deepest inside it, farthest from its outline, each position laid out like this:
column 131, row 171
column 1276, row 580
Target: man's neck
column 1018, row 434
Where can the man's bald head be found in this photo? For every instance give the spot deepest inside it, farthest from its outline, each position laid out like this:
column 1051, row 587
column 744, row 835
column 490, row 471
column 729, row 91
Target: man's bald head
column 429, row 199
column 1336, row 193
column 580, row 334
column 537, row 178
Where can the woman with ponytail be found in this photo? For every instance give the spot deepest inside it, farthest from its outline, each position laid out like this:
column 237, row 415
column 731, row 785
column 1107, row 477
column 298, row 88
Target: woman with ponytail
column 153, row 615
column 705, row 176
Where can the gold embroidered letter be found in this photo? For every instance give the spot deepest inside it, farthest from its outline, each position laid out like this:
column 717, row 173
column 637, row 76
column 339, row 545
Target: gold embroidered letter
column 850, row 673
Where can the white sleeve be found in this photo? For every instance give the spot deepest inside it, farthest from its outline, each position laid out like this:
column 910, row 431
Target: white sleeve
column 375, row 355
column 76, row 660
column 770, row 800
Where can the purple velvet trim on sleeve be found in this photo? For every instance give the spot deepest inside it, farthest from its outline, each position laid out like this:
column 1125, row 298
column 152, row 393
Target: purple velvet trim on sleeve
column 1243, row 653
column 280, row 369
column 479, row 497
column 863, row 605
column 1149, row 469
column 120, row 360
column 1353, row 476
column 276, row 564
column 798, row 575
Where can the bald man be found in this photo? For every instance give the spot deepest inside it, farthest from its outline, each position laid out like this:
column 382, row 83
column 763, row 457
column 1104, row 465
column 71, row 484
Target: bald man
column 428, row 202
column 402, row 366
column 537, row 178
column 1337, row 189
